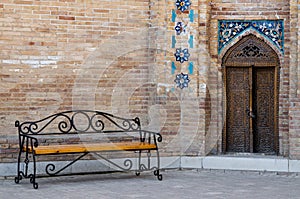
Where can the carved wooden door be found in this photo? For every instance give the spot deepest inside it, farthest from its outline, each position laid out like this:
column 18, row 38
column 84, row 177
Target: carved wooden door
column 251, row 100
column 250, row 109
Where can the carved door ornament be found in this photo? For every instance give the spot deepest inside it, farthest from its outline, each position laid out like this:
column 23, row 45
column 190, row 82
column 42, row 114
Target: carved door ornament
column 251, row 79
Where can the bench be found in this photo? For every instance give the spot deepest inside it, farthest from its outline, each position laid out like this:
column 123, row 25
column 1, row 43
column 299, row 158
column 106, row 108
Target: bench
column 77, row 133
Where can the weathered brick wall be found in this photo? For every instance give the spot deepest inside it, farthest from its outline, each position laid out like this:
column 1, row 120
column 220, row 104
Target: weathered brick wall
column 66, row 54
column 294, row 111
column 117, row 56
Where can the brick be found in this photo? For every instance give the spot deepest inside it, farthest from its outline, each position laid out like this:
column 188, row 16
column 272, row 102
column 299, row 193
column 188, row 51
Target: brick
column 101, row 10
column 23, row 2
column 66, row 18
column 66, row 0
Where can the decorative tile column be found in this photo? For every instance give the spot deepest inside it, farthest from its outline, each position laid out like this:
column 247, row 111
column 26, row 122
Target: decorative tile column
column 182, row 43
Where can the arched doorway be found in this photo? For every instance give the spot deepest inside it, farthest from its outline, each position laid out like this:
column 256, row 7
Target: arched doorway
column 251, row 79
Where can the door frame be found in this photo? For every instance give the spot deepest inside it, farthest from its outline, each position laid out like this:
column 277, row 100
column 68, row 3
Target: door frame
column 235, row 57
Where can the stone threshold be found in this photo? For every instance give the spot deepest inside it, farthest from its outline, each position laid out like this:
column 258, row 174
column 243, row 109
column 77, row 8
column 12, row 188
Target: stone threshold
column 240, row 162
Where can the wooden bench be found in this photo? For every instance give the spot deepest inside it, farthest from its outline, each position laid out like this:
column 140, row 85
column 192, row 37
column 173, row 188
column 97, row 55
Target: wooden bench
column 83, row 132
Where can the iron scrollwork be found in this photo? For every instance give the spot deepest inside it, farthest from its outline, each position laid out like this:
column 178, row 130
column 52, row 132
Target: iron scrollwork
column 75, row 122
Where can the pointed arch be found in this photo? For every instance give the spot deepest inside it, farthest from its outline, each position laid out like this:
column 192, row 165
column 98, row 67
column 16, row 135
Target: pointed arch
column 250, row 50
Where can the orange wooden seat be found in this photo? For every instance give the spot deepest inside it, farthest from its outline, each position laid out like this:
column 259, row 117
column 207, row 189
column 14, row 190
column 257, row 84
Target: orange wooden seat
column 81, row 148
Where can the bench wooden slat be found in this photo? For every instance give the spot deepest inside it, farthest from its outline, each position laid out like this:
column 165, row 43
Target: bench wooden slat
column 81, row 148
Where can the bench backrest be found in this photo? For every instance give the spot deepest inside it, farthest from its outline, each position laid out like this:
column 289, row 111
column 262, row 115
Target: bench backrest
column 78, row 121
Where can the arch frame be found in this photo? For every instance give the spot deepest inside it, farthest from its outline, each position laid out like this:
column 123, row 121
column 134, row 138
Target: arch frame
column 248, row 32
column 277, row 61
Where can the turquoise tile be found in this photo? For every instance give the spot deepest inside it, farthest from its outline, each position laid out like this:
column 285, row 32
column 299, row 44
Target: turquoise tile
column 173, row 68
column 191, row 41
column 173, row 41
column 173, row 15
column 191, row 15
column 191, row 68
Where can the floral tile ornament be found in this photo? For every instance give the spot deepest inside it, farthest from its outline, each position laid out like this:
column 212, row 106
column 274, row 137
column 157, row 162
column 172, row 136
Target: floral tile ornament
column 273, row 30
column 183, row 5
column 182, row 80
column 180, row 28
column 182, row 55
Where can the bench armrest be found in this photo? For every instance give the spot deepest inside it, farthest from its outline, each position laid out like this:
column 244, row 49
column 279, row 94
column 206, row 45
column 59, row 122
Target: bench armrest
column 150, row 135
column 27, row 141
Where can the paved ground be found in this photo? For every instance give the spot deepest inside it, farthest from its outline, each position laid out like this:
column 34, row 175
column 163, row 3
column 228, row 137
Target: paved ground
column 201, row 184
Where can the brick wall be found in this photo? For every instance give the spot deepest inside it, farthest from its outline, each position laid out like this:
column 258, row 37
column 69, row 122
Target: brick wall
column 116, row 56
column 294, row 110
column 66, row 54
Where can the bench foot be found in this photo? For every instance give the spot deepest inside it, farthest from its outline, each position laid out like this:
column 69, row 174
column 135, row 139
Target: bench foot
column 158, row 175
column 32, row 181
column 17, row 179
column 35, row 185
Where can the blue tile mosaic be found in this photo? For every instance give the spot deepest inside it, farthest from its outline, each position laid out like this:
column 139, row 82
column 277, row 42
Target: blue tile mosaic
column 180, row 28
column 273, row 30
column 182, row 80
column 181, row 17
column 182, row 55
column 183, row 5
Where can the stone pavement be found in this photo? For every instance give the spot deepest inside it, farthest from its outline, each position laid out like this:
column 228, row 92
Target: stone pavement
column 179, row 184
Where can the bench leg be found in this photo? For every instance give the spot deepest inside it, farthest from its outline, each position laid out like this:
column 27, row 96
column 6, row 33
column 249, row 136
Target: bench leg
column 138, row 172
column 19, row 172
column 33, row 176
column 24, row 174
column 158, row 175
column 148, row 166
column 156, row 172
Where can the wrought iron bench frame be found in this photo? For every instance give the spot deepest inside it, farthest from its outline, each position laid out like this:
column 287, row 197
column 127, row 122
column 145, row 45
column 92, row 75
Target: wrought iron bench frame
column 65, row 123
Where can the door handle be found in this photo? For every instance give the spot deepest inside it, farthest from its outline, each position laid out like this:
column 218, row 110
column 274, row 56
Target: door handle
column 250, row 113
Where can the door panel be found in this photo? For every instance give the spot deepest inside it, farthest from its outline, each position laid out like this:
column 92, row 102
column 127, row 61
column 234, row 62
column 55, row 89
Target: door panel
column 263, row 107
column 237, row 123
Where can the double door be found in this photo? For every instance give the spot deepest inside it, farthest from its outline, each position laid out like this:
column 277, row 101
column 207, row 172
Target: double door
column 251, row 109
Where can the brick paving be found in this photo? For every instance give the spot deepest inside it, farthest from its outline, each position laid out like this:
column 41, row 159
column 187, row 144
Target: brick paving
column 176, row 184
